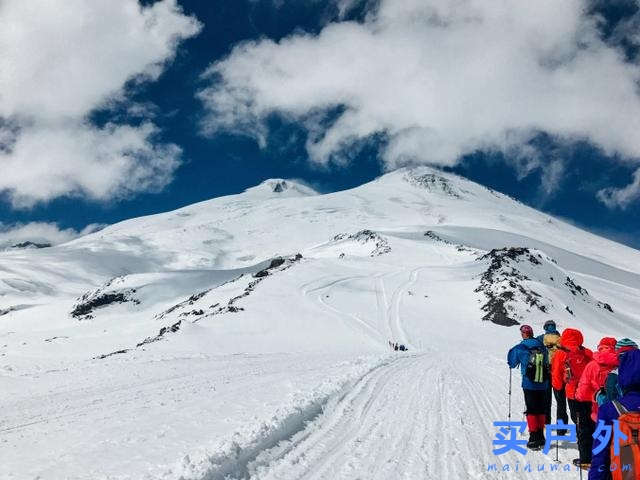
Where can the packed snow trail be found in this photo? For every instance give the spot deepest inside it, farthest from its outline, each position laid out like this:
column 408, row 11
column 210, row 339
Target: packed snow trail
column 418, row 416
column 378, row 430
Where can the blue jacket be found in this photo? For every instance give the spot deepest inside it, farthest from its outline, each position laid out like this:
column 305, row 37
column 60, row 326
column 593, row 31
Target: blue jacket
column 629, row 378
column 519, row 355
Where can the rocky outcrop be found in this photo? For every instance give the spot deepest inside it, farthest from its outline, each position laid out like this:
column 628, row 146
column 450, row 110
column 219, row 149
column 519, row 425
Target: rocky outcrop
column 29, row 244
column 504, row 285
column 434, row 183
column 108, row 294
column 436, row 238
column 379, row 245
column 508, row 286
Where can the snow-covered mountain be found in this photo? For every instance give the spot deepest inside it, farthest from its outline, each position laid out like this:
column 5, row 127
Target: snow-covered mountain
column 247, row 336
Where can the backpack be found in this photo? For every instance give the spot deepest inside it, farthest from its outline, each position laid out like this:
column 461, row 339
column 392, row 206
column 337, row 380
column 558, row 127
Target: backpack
column 551, row 341
column 574, row 364
column 627, row 463
column 537, row 368
column 610, row 391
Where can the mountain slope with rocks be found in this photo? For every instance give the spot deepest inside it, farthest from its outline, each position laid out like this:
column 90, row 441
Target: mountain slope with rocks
column 247, row 336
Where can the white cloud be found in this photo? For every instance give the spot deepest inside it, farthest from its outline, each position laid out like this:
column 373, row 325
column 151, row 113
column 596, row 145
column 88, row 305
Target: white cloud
column 621, row 197
column 57, row 66
column 440, row 79
column 40, row 233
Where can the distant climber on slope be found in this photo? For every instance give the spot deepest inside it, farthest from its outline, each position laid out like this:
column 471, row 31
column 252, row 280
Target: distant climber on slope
column 626, row 411
column 566, row 369
column 595, row 373
column 551, row 339
column 533, row 359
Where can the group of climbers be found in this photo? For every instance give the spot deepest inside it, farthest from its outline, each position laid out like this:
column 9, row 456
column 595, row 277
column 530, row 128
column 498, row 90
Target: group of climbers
column 397, row 347
column 596, row 386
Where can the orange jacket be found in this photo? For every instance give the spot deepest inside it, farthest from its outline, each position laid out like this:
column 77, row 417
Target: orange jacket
column 571, row 345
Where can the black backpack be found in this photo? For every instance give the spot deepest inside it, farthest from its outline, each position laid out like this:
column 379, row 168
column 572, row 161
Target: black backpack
column 537, row 366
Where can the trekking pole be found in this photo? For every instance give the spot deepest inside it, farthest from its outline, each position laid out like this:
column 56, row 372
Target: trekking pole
column 579, row 453
column 510, row 373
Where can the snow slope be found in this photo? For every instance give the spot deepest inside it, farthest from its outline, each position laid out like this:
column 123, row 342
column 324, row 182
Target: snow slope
column 198, row 344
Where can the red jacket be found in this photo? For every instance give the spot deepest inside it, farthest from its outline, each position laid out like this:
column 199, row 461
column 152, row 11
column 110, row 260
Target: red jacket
column 571, row 351
column 595, row 374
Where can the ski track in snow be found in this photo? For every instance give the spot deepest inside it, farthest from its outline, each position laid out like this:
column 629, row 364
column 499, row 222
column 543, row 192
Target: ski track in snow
column 320, row 295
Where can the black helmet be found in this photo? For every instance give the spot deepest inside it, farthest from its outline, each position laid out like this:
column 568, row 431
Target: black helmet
column 549, row 325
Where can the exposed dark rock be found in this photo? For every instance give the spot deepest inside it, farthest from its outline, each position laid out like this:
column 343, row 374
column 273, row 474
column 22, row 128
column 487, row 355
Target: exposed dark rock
column 118, row 352
column 276, row 262
column 280, row 187
column 433, row 182
column 29, row 244
column 502, row 284
column 366, row 236
column 497, row 312
column 189, row 301
column 568, row 310
column 605, row 306
column 574, row 288
column 93, row 300
column 5, row 311
column 434, row 236
column 49, row 340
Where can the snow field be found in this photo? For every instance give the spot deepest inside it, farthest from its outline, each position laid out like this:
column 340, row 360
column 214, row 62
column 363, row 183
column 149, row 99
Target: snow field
column 297, row 380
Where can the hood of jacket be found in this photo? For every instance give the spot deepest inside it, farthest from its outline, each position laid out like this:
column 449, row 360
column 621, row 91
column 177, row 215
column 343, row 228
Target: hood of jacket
column 629, row 371
column 532, row 343
column 571, row 338
column 606, row 358
column 607, row 343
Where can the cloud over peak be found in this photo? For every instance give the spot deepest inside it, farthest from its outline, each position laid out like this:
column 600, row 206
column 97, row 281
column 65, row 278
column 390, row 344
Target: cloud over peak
column 43, row 233
column 58, row 64
column 439, row 79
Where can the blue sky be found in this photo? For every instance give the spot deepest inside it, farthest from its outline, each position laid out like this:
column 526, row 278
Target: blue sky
column 232, row 157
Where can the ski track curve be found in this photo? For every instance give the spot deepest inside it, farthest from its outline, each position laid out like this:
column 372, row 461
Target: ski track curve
column 393, row 309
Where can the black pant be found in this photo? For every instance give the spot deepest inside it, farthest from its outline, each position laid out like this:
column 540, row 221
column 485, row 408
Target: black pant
column 535, row 401
column 581, row 416
column 561, row 405
column 547, row 400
